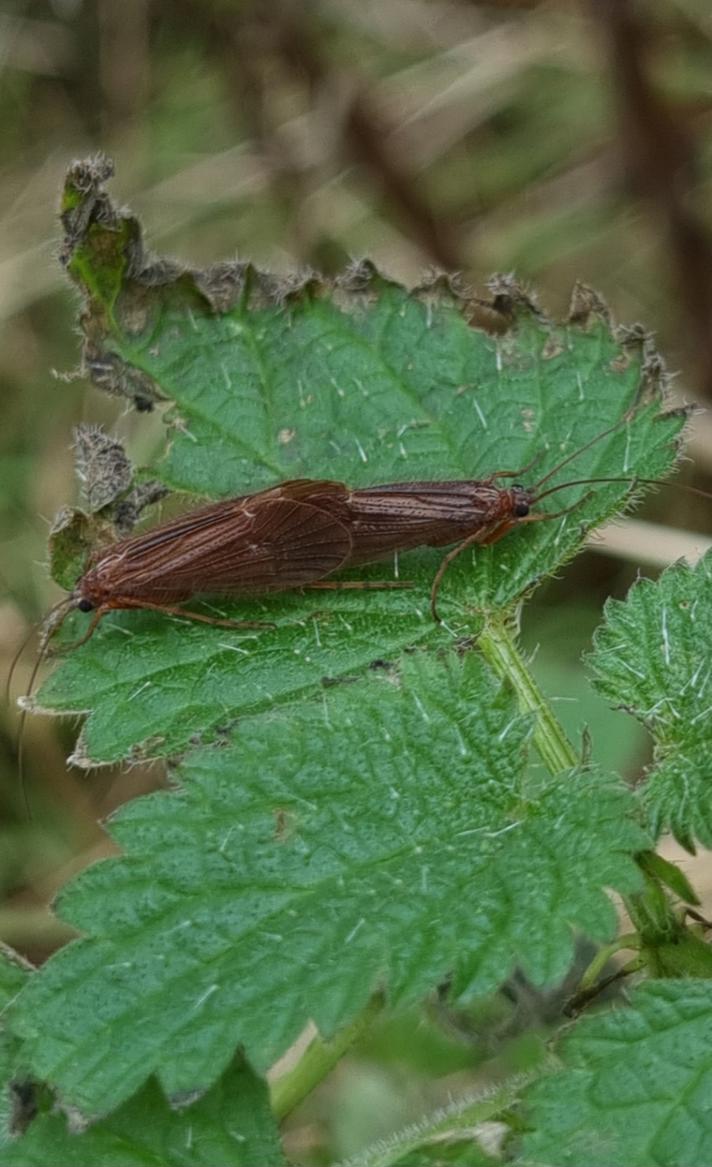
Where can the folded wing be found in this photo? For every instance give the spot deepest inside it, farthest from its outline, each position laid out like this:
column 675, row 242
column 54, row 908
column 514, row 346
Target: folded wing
column 261, row 543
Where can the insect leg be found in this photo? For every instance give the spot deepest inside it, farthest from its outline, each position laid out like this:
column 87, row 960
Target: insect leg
column 485, row 537
column 524, row 470
column 360, row 584
column 488, row 534
column 169, row 610
column 98, row 615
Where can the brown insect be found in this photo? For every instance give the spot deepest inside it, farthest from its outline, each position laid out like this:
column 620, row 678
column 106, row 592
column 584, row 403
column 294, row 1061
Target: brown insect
column 297, row 535
column 400, row 516
column 274, row 540
column 294, row 535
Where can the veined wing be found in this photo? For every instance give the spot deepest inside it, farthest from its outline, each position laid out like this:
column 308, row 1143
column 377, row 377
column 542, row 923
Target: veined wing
column 402, row 515
column 215, row 514
column 245, row 546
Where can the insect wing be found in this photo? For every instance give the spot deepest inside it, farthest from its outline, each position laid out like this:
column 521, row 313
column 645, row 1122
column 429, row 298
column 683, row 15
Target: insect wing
column 292, row 543
column 241, row 547
column 400, row 516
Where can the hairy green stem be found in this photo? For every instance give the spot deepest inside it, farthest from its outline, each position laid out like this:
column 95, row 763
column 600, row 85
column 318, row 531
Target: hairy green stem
column 318, row 1060
column 442, row 1127
column 595, row 969
column 498, row 645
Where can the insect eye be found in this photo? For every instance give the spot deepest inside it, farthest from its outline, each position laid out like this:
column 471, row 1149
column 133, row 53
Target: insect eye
column 521, row 509
column 85, row 606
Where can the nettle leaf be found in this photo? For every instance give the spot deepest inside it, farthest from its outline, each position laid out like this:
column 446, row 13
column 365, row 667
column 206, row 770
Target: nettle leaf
column 359, row 379
column 383, row 838
column 231, row 1125
column 652, row 656
column 636, row 1085
column 14, row 972
column 159, row 682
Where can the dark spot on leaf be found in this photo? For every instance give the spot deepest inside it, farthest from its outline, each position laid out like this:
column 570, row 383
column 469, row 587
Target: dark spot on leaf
column 330, row 682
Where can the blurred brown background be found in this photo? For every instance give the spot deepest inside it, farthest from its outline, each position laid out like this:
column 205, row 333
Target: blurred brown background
column 560, row 140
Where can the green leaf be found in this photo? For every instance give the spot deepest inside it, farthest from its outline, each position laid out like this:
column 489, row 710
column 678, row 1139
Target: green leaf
column 230, row 1126
column 159, row 682
column 14, row 972
column 384, row 837
column 636, row 1087
column 670, row 874
column 652, row 656
column 361, row 380
column 74, row 535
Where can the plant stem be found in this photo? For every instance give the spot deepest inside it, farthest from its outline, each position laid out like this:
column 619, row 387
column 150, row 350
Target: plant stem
column 498, row 645
column 629, row 940
column 442, row 1127
column 319, row 1058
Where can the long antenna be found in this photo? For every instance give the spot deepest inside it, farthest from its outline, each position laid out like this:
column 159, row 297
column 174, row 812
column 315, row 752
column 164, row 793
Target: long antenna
column 48, row 626
column 632, row 481
column 582, row 449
